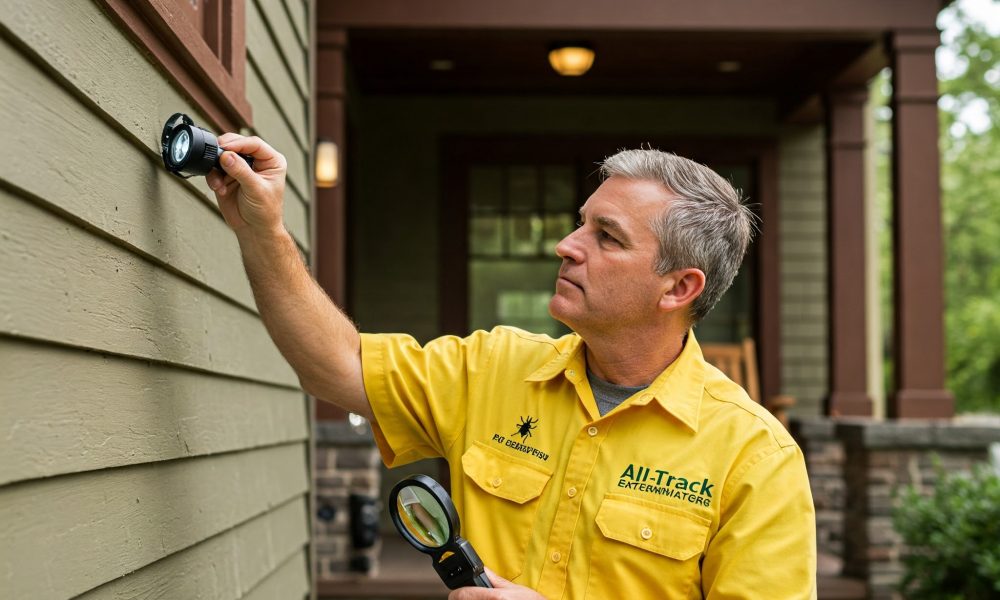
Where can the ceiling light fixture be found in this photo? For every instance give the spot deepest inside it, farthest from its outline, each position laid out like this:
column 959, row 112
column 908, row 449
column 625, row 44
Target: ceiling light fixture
column 571, row 60
column 442, row 64
column 729, row 66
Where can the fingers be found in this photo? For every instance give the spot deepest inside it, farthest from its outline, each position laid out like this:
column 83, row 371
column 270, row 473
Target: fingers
column 237, row 168
column 496, row 580
column 218, row 180
column 225, row 138
column 265, row 157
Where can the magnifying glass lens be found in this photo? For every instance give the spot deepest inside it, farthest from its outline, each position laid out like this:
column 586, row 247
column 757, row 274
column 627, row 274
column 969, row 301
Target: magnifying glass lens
column 422, row 516
column 180, row 146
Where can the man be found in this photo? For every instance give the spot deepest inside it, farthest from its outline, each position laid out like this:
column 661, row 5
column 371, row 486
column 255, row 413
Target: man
column 610, row 463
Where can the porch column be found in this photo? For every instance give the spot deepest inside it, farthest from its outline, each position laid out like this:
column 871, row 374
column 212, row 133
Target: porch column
column 917, row 239
column 330, row 230
column 846, row 242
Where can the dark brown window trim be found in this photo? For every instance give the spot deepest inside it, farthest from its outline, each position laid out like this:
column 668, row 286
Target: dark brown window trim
column 217, row 89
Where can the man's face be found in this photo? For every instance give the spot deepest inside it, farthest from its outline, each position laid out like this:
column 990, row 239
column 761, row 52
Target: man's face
column 607, row 279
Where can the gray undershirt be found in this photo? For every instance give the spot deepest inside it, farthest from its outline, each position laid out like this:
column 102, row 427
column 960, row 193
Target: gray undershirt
column 609, row 395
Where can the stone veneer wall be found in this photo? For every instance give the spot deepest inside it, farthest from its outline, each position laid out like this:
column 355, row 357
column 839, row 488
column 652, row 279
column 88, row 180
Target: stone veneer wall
column 825, row 462
column 347, row 463
column 881, row 457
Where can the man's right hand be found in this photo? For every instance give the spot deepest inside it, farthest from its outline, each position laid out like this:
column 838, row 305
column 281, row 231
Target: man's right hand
column 250, row 198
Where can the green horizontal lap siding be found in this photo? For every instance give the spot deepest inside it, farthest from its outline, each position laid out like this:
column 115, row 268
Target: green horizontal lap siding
column 802, row 189
column 278, row 88
column 66, row 535
column 66, row 411
column 155, row 442
column 227, row 566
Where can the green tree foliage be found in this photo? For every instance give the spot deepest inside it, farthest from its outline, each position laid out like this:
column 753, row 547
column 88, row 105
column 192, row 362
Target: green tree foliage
column 951, row 537
column 970, row 179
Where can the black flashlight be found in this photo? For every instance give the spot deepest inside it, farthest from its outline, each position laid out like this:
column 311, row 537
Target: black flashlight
column 189, row 150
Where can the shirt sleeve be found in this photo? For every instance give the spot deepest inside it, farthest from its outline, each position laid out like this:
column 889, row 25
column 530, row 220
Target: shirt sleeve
column 766, row 543
column 420, row 394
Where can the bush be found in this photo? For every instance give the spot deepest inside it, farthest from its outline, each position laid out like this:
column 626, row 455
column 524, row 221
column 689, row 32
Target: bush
column 953, row 537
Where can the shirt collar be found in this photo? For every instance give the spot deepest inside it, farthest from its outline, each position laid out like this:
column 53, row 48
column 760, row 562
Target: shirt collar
column 678, row 389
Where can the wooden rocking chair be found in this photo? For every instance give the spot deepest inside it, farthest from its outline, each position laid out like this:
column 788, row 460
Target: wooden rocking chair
column 739, row 363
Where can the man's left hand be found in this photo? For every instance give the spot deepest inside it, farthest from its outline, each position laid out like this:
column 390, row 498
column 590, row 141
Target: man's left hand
column 502, row 590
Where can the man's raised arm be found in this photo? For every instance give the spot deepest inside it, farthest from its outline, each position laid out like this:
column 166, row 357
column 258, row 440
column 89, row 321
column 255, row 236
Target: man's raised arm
column 314, row 336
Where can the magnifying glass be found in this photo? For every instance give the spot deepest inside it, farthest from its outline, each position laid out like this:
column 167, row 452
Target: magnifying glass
column 424, row 514
column 189, row 150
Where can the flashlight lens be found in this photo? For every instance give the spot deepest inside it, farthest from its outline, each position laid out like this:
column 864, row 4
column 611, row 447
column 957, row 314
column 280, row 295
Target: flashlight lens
column 180, row 146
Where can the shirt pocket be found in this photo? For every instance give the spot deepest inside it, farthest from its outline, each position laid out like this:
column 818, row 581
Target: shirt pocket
column 646, row 550
column 502, row 504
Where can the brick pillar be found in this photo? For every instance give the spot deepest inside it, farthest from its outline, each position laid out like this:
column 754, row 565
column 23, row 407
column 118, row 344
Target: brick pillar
column 881, row 457
column 824, row 454
column 347, row 464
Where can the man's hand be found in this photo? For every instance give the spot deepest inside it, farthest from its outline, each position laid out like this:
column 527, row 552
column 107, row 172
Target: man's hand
column 502, row 590
column 249, row 198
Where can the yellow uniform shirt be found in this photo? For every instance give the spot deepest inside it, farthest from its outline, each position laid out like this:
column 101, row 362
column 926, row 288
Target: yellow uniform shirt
column 689, row 489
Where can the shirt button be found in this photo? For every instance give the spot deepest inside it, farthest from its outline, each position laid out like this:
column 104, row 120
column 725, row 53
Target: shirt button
column 571, row 492
column 646, row 533
column 496, row 482
column 571, row 373
column 592, row 431
column 556, row 557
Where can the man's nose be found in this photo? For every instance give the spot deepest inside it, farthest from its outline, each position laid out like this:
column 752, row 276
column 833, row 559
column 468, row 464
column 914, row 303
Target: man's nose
column 569, row 248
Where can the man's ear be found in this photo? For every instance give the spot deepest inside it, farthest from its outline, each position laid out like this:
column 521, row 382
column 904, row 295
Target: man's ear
column 682, row 287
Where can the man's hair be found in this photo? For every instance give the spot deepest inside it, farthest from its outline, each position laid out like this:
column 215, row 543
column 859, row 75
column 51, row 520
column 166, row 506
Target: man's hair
column 706, row 226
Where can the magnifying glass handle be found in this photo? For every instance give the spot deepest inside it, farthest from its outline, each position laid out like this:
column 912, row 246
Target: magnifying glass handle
column 482, row 581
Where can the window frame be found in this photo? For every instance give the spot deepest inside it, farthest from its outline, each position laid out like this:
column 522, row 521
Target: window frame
column 161, row 28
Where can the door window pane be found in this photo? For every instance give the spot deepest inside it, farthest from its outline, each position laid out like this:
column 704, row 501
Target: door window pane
column 486, row 235
column 513, row 292
column 525, row 233
column 556, row 227
column 559, row 189
column 486, row 188
column 522, row 188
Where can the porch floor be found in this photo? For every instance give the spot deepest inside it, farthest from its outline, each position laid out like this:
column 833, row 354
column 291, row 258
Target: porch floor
column 404, row 574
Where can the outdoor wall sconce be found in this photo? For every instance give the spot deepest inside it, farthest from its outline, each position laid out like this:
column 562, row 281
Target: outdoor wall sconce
column 189, row 150
column 571, row 60
column 327, row 170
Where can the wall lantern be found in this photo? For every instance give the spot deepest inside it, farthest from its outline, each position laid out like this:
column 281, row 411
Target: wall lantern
column 327, row 168
column 571, row 60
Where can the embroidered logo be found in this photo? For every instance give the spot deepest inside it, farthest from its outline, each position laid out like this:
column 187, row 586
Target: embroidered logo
column 661, row 482
column 525, row 428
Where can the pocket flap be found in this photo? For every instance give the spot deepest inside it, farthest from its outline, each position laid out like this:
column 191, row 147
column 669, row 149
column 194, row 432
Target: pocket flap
column 665, row 530
column 503, row 476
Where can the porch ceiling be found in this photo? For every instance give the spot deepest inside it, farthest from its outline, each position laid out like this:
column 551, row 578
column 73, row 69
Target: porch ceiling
column 785, row 66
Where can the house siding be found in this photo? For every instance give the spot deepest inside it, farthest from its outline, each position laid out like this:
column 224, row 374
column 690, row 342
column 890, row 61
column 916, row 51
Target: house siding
column 153, row 439
column 802, row 189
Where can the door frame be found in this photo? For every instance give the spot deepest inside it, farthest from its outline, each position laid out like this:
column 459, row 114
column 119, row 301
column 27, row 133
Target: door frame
column 458, row 153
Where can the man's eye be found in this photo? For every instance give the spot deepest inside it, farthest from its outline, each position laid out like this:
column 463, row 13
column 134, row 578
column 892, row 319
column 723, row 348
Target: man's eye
column 605, row 236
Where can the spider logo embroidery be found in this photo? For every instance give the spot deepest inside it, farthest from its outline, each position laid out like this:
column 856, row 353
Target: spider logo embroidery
column 525, row 427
